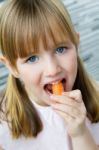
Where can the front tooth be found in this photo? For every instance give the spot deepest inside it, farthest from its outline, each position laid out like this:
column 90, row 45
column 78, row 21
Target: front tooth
column 55, row 82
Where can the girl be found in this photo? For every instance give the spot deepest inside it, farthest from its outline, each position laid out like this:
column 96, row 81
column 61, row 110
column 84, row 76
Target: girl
column 40, row 48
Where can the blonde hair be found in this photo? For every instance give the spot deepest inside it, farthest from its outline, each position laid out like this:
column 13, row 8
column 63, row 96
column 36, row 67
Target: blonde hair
column 24, row 23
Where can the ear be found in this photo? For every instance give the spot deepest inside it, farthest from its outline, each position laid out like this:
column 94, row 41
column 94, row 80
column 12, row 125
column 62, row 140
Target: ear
column 12, row 70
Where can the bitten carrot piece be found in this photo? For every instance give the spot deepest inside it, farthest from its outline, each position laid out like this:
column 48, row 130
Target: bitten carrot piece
column 57, row 88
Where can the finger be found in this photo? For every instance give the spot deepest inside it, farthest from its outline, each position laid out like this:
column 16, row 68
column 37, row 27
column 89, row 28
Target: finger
column 73, row 125
column 73, row 112
column 68, row 118
column 64, row 100
column 75, row 94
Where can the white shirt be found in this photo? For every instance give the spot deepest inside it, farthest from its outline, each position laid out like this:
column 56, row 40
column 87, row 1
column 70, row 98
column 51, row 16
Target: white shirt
column 53, row 137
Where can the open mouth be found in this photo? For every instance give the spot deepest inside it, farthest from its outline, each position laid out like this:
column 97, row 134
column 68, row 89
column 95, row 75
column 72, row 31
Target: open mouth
column 48, row 87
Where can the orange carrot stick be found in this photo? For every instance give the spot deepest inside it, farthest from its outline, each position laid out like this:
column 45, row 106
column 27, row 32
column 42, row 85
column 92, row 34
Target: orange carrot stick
column 57, row 88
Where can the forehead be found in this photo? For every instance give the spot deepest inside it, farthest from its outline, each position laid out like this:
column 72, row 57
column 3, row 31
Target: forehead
column 34, row 33
column 53, row 42
column 46, row 41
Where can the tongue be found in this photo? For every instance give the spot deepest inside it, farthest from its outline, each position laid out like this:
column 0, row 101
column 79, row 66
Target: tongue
column 49, row 87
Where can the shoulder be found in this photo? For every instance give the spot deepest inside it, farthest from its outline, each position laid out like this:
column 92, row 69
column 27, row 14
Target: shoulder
column 94, row 129
column 1, row 148
column 4, row 132
column 5, row 136
column 3, row 128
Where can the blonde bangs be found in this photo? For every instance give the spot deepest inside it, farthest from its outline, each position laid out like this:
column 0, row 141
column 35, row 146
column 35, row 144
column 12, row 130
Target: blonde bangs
column 32, row 30
column 24, row 28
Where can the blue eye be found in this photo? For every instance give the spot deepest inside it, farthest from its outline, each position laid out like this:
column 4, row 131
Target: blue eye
column 60, row 50
column 32, row 59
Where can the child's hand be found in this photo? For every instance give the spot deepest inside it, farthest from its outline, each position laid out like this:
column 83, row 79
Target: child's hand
column 70, row 106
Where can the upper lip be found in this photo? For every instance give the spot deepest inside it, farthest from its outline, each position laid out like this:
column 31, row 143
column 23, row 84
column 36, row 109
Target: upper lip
column 54, row 81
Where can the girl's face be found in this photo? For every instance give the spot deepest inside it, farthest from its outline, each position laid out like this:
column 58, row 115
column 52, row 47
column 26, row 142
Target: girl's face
column 39, row 71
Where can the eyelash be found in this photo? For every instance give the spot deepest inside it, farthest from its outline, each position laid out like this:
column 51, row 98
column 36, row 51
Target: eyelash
column 62, row 48
column 36, row 57
column 29, row 59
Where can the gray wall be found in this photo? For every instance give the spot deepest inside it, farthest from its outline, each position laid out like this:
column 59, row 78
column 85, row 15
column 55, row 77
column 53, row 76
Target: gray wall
column 85, row 16
column 3, row 70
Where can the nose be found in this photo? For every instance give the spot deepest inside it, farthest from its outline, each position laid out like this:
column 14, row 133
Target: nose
column 53, row 68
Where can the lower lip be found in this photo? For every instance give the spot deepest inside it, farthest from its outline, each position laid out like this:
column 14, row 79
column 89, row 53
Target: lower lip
column 48, row 93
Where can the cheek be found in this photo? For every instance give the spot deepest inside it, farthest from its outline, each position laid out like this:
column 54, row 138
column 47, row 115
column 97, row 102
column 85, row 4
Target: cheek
column 71, row 69
column 73, row 64
column 70, row 62
column 30, row 75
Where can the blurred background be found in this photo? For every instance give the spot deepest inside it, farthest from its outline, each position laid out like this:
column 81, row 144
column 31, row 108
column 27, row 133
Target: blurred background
column 85, row 17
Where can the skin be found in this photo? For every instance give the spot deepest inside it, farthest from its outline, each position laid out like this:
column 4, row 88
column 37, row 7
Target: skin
column 60, row 61
column 71, row 107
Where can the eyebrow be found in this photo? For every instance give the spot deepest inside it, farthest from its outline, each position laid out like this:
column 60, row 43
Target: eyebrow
column 24, row 58
column 54, row 46
column 61, row 44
